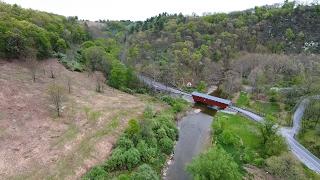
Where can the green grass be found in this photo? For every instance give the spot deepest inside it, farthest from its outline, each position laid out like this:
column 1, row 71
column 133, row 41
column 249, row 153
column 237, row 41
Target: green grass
column 270, row 108
column 243, row 100
column 246, row 129
column 310, row 138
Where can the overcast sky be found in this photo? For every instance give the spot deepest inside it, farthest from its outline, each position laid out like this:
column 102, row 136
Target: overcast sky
column 136, row 9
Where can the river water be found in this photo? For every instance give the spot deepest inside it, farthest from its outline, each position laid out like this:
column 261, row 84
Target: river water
column 194, row 137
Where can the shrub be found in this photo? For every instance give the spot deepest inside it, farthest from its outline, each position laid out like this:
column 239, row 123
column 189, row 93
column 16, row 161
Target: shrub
column 96, row 173
column 166, row 145
column 161, row 133
column 285, row 167
column 124, row 143
column 145, row 172
column 132, row 158
column 214, row 164
column 117, row 160
column 147, row 154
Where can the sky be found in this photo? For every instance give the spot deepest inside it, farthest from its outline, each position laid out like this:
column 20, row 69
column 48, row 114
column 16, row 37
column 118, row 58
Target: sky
column 136, row 9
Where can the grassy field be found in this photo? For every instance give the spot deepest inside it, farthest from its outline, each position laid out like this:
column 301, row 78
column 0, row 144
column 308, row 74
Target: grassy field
column 239, row 136
column 244, row 128
column 265, row 108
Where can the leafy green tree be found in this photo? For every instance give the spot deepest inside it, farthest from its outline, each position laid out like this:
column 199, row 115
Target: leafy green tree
column 94, row 56
column 214, row 164
column 61, row 45
column 118, row 76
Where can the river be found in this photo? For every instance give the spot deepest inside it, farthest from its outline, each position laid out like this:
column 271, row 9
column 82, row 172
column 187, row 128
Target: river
column 194, row 136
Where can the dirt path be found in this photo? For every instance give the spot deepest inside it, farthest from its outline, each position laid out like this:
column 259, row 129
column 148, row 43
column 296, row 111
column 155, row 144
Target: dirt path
column 35, row 144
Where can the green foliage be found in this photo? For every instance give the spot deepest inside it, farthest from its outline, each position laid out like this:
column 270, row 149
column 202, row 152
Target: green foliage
column 139, row 145
column 22, row 29
column 132, row 158
column 61, row 46
column 145, row 172
column 96, row 173
column 309, row 135
column 166, row 145
column 201, row 87
column 289, row 34
column 272, row 143
column 178, row 104
column 285, row 167
column 214, row 164
column 118, row 76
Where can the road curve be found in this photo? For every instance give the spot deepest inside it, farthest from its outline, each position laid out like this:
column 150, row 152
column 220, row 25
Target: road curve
column 304, row 155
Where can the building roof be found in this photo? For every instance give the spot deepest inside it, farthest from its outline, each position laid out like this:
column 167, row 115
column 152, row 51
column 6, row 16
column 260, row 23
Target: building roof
column 213, row 98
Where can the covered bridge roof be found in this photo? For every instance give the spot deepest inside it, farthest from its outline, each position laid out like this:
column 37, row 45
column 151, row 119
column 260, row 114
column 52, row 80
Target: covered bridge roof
column 213, row 98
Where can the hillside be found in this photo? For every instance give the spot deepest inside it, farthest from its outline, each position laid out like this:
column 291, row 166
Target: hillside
column 35, row 143
column 176, row 49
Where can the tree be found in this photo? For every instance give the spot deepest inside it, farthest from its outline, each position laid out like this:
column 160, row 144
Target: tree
column 69, row 84
column 118, row 76
column 61, row 45
column 57, row 96
column 94, row 56
column 32, row 63
column 273, row 144
column 214, row 164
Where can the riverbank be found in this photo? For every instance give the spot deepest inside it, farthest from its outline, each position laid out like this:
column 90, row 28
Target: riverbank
column 143, row 148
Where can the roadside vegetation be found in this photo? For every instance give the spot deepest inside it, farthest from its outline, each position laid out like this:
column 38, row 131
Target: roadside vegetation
column 238, row 142
column 309, row 135
column 143, row 148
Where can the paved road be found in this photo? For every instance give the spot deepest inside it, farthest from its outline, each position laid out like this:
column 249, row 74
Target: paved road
column 304, row 155
column 161, row 87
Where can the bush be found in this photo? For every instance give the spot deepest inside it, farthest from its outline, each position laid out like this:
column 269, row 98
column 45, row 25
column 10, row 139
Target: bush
column 166, row 145
column 96, row 173
column 124, row 143
column 214, row 164
column 145, row 172
column 117, row 160
column 285, row 167
column 132, row 158
column 178, row 104
column 147, row 153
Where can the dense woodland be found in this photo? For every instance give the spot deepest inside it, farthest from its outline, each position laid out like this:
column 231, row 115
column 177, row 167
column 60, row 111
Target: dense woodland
column 25, row 29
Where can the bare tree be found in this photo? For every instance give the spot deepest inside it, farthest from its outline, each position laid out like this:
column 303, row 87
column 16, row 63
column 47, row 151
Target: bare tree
column 69, row 83
column 52, row 72
column 32, row 63
column 57, row 96
column 99, row 83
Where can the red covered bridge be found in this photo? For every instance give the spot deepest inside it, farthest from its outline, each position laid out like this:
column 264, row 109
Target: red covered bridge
column 210, row 100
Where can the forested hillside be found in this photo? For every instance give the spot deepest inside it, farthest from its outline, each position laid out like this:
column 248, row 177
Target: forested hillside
column 176, row 49
column 25, row 29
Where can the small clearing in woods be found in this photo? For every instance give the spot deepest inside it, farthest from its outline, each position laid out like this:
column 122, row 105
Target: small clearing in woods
column 36, row 144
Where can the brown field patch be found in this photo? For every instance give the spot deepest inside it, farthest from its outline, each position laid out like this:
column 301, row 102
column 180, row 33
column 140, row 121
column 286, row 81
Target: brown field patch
column 36, row 144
